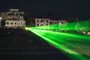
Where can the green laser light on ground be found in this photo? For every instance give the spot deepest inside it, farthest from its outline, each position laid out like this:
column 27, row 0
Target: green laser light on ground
column 62, row 40
column 56, row 39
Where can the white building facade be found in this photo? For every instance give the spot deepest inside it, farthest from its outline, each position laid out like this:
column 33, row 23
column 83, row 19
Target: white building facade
column 13, row 18
column 42, row 21
column 58, row 21
column 14, row 24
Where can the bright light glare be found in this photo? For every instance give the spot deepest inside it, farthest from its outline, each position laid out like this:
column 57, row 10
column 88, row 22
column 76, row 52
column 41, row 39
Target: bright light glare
column 0, row 18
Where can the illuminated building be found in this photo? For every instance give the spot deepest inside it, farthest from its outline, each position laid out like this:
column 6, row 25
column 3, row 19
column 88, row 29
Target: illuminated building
column 42, row 21
column 13, row 18
column 58, row 21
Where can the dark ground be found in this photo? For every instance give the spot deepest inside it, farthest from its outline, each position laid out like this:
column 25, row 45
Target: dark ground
column 17, row 44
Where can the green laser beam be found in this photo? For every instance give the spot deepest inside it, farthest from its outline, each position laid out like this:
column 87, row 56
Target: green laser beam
column 52, row 38
column 62, row 40
column 77, row 26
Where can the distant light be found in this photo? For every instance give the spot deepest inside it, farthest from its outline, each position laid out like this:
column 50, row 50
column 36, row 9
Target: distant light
column 27, row 28
column 88, row 33
column 84, row 32
column 60, row 23
column 0, row 18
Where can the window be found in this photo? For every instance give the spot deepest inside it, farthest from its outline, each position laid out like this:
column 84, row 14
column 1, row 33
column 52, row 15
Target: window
column 11, row 23
column 37, row 24
column 15, row 23
column 7, row 23
column 42, row 20
column 46, row 20
column 37, row 20
column 41, row 24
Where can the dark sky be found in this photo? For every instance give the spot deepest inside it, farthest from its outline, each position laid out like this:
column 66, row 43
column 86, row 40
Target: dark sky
column 59, row 8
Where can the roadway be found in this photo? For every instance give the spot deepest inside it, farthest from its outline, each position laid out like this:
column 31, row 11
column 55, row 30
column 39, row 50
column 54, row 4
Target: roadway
column 17, row 44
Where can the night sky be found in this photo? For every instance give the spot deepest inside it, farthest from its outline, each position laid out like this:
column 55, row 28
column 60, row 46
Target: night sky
column 54, row 8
